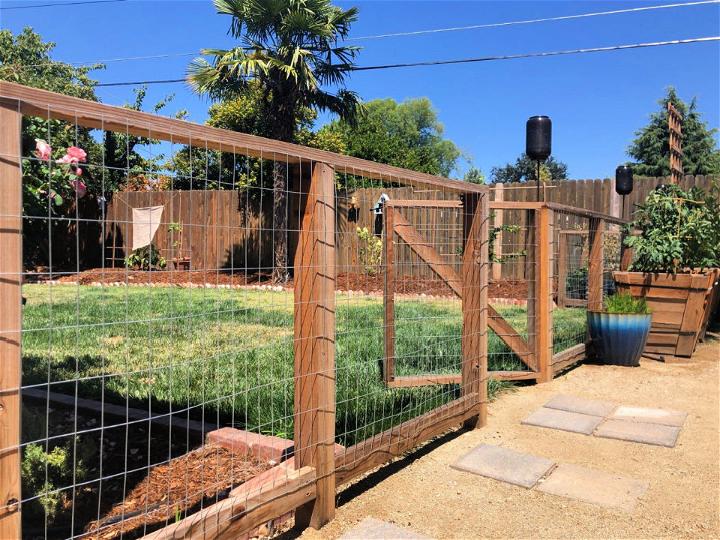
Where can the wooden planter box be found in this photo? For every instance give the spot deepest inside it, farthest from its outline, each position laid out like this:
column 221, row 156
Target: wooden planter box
column 681, row 305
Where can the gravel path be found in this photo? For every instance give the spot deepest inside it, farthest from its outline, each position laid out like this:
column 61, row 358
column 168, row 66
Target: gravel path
column 683, row 500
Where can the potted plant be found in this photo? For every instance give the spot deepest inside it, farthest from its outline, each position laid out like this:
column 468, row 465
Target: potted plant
column 179, row 261
column 675, row 265
column 619, row 332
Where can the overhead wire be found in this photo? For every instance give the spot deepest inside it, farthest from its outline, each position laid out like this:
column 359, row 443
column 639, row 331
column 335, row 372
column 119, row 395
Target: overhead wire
column 533, row 21
column 482, row 58
column 58, row 4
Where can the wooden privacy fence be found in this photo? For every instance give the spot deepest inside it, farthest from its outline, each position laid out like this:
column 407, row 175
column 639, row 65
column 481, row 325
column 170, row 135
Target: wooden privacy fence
column 310, row 486
column 242, row 228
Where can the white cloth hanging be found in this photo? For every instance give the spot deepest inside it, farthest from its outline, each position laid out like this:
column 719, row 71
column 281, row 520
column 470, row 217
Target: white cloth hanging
column 145, row 224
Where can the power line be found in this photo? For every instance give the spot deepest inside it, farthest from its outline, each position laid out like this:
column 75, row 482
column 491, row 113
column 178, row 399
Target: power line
column 541, row 54
column 82, row 2
column 533, row 21
column 483, row 58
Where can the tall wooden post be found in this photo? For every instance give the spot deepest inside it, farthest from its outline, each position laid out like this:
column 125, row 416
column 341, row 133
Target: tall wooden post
column 314, row 344
column 475, row 273
column 389, row 294
column 543, row 291
column 595, row 264
column 10, row 319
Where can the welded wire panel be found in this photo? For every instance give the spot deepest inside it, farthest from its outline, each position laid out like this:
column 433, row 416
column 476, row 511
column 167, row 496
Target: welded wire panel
column 158, row 308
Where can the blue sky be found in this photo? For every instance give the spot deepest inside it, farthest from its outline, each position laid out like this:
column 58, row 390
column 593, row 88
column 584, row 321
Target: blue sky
column 596, row 101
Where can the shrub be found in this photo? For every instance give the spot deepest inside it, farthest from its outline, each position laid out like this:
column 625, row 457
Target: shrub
column 370, row 251
column 680, row 230
column 625, row 303
column 145, row 258
column 44, row 473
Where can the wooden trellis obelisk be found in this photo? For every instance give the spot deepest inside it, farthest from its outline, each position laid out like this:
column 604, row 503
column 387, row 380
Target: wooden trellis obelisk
column 675, row 131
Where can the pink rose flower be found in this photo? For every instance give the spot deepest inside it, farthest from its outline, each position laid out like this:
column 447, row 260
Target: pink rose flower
column 42, row 149
column 79, row 187
column 76, row 154
column 65, row 159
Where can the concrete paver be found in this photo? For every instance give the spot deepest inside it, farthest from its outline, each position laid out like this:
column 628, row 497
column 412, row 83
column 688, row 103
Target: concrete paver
column 593, row 486
column 641, row 432
column 563, row 420
column 505, row 465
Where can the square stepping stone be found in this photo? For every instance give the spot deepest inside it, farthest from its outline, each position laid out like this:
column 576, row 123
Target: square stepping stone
column 563, row 420
column 374, row 529
column 641, row 432
column 582, row 406
column 594, row 487
column 505, row 465
column 651, row 416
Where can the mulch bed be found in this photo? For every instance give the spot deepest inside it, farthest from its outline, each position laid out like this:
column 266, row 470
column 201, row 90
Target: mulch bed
column 516, row 289
column 175, row 490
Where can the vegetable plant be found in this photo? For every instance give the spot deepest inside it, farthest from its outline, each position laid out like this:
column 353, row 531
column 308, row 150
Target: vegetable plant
column 145, row 258
column 680, row 230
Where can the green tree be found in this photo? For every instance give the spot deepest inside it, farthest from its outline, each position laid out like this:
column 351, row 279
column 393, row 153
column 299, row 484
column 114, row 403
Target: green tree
column 651, row 147
column 290, row 50
column 474, row 176
column 525, row 170
column 406, row 134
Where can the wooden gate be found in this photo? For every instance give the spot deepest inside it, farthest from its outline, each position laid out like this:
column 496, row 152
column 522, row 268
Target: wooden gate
column 398, row 226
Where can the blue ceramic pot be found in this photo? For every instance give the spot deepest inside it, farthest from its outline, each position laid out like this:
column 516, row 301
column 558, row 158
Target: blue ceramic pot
column 618, row 338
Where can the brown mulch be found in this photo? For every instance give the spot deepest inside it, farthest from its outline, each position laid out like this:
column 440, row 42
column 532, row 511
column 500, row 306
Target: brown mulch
column 345, row 281
column 173, row 491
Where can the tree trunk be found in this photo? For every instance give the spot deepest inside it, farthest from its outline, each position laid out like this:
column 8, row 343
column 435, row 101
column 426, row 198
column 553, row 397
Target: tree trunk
column 280, row 272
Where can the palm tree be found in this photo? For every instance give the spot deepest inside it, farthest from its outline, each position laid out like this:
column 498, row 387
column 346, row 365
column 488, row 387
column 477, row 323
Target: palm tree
column 289, row 48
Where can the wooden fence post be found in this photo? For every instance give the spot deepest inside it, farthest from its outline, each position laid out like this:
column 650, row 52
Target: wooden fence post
column 543, row 291
column 562, row 269
column 10, row 319
column 595, row 264
column 314, row 344
column 475, row 272
column 389, row 294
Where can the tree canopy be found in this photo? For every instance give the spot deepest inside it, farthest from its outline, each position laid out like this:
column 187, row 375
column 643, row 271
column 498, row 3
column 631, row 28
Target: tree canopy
column 406, row 134
column 291, row 54
column 525, row 170
column 651, row 148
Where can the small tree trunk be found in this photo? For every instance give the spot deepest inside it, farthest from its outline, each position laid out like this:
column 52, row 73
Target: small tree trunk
column 280, row 272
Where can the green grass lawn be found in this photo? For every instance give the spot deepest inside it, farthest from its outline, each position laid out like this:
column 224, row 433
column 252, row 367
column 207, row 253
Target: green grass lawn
column 227, row 354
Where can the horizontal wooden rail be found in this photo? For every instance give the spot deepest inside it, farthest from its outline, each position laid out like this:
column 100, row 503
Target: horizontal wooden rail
column 582, row 212
column 408, row 381
column 438, row 203
column 89, row 114
column 383, row 447
column 568, row 357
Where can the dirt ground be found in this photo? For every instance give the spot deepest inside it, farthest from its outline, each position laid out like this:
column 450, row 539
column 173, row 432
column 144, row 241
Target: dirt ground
column 424, row 494
column 506, row 288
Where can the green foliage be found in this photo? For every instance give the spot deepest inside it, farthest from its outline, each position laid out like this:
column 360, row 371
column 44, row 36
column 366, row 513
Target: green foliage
column 525, row 170
column 145, row 258
column 371, row 249
column 576, row 283
column 474, row 176
column 651, row 147
column 625, row 303
column 288, row 52
column 406, row 134
column 491, row 243
column 44, row 474
column 680, row 230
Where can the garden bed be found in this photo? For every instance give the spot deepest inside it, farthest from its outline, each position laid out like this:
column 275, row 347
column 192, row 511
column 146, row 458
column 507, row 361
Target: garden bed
column 507, row 288
column 175, row 490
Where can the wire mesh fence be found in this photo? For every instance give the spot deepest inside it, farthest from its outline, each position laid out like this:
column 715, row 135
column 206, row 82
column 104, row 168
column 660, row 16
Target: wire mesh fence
column 188, row 339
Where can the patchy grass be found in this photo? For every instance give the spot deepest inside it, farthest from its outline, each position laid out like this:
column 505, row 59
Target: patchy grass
column 227, row 355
